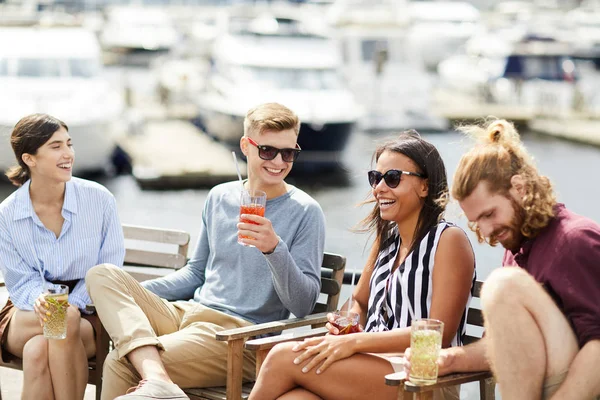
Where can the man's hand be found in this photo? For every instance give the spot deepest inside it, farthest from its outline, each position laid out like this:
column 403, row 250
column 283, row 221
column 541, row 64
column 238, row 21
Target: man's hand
column 445, row 362
column 258, row 232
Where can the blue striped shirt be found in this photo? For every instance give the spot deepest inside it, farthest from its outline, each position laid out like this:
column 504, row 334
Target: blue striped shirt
column 91, row 234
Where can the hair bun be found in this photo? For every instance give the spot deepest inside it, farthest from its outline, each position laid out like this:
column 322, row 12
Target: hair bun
column 502, row 132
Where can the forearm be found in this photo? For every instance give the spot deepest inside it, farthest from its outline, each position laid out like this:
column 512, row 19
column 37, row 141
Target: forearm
column 468, row 358
column 178, row 285
column 394, row 341
column 582, row 380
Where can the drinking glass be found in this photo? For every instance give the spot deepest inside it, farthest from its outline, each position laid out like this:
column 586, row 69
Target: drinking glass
column 251, row 202
column 346, row 322
column 425, row 344
column 57, row 300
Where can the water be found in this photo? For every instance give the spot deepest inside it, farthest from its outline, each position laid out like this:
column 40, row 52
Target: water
column 570, row 166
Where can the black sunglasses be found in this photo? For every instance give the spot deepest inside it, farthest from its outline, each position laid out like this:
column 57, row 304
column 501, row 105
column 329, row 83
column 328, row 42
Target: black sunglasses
column 391, row 177
column 270, row 152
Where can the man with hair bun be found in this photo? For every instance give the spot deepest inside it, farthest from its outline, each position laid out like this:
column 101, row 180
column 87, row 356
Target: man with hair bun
column 542, row 309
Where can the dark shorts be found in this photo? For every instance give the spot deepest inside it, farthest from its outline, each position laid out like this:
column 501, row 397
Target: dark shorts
column 6, row 315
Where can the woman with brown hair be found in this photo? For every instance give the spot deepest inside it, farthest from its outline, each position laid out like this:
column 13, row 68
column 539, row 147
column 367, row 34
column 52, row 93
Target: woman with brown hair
column 420, row 266
column 53, row 229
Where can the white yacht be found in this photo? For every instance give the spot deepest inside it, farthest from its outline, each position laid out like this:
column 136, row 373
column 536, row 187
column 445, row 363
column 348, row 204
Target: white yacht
column 532, row 74
column 384, row 75
column 273, row 55
column 439, row 28
column 131, row 28
column 58, row 71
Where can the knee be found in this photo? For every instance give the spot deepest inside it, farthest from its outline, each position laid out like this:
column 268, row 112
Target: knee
column 280, row 357
column 35, row 355
column 505, row 286
column 98, row 276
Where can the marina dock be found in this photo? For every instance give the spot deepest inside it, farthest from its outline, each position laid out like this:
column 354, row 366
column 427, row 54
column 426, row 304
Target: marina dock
column 579, row 130
column 175, row 154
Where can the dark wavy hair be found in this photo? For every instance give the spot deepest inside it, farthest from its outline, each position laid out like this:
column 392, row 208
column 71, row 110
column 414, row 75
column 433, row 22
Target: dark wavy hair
column 430, row 163
column 28, row 135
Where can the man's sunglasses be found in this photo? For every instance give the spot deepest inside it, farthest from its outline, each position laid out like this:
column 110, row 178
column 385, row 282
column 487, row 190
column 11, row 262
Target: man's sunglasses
column 391, row 177
column 270, row 152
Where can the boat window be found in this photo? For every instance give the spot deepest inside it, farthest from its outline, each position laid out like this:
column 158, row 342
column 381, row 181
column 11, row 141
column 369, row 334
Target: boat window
column 32, row 67
column 536, row 67
column 289, row 78
column 83, row 68
column 370, row 46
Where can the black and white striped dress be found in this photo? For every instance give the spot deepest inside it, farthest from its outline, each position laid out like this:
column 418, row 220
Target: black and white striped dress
column 411, row 281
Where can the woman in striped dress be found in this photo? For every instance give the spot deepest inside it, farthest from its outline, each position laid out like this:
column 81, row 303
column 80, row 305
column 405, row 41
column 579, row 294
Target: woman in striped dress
column 417, row 258
column 53, row 229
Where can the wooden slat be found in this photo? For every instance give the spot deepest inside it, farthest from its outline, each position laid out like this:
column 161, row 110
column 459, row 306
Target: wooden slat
column 448, row 380
column 333, row 261
column 395, row 379
column 155, row 259
column 235, row 360
column 159, row 235
column 270, row 342
column 271, row 327
column 477, row 288
column 487, row 389
column 330, row 286
column 475, row 317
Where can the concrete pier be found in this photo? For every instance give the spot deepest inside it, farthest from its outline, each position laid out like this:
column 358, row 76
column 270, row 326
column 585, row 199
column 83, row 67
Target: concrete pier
column 578, row 130
column 175, row 154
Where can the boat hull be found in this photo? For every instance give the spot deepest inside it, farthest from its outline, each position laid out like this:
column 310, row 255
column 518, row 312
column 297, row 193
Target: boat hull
column 322, row 144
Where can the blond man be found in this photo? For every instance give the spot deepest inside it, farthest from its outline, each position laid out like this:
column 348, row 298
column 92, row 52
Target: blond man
column 167, row 341
column 542, row 309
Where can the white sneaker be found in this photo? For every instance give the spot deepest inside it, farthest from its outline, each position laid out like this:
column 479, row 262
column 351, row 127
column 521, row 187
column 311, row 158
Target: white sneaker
column 154, row 389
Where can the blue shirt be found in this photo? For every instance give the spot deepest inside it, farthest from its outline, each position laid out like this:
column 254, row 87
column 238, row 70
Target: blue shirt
column 91, row 234
column 242, row 281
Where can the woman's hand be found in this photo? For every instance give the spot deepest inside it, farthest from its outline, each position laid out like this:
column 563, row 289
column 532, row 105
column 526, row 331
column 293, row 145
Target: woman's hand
column 324, row 350
column 332, row 329
column 40, row 307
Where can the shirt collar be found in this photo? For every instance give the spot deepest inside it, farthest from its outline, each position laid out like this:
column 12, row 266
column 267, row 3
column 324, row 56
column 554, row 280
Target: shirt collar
column 24, row 208
column 522, row 255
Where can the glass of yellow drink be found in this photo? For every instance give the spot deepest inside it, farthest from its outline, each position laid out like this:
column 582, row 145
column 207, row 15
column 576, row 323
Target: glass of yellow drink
column 57, row 300
column 425, row 344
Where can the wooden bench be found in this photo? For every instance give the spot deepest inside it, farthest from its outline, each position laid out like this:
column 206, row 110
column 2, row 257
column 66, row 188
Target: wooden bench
column 407, row 390
column 141, row 263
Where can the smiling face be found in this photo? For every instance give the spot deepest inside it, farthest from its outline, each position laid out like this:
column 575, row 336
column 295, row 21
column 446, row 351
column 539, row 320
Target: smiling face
column 405, row 201
column 54, row 159
column 268, row 175
column 498, row 217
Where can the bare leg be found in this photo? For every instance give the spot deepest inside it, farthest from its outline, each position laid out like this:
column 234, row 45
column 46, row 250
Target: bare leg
column 529, row 337
column 356, row 377
column 146, row 360
column 68, row 360
column 36, row 371
column 299, row 394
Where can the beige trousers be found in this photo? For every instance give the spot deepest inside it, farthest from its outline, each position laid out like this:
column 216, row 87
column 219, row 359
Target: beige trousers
column 183, row 331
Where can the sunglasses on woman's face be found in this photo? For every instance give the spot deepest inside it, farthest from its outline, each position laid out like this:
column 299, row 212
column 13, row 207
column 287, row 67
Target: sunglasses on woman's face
column 391, row 177
column 270, row 152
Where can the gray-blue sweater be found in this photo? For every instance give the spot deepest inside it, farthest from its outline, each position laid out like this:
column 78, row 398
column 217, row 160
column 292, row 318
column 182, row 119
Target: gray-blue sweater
column 240, row 280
